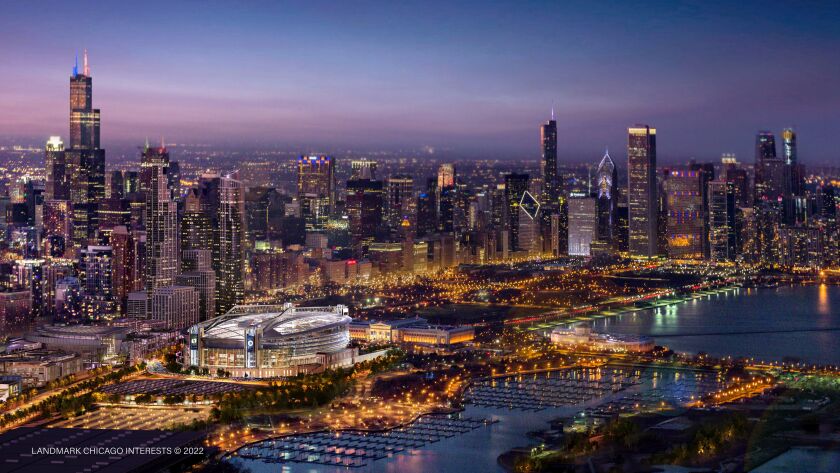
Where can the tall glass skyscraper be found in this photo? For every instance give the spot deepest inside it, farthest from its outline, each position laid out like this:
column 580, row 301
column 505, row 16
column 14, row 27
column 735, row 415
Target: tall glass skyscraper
column 85, row 161
column 162, row 258
column 548, row 140
column 789, row 144
column 229, row 244
column 769, row 169
column 607, row 176
column 316, row 189
column 642, row 190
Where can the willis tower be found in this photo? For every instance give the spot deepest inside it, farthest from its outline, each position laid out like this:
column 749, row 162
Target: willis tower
column 85, row 158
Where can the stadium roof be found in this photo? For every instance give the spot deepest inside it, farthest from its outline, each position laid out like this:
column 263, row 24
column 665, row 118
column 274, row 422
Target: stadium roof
column 283, row 320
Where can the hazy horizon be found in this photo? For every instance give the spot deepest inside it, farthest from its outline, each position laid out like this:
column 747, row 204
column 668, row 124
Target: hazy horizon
column 468, row 80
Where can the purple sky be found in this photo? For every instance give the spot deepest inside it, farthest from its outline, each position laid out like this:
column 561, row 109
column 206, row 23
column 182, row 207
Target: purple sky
column 468, row 78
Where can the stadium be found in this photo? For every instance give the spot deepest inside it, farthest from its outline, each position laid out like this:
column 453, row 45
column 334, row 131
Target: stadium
column 269, row 341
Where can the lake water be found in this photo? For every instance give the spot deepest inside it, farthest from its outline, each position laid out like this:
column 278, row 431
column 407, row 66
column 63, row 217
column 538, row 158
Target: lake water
column 765, row 323
column 479, row 449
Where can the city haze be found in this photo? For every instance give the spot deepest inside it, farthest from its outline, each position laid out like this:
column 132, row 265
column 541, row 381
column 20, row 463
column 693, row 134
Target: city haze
column 465, row 80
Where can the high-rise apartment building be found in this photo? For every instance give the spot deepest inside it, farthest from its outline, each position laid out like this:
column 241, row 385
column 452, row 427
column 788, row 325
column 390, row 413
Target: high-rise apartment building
column 229, row 243
column 200, row 275
column 177, row 306
column 162, row 255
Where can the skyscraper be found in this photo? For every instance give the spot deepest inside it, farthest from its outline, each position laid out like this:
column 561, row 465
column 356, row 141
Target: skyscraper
column 85, row 161
column 364, row 208
column 400, row 203
column 362, row 169
column 548, row 140
column 316, row 189
column 515, row 187
column 789, row 146
column 685, row 191
column 55, row 165
column 529, row 224
column 722, row 230
column 583, row 224
column 642, row 190
column 794, row 172
column 200, row 275
column 177, row 306
column 769, row 169
column 229, row 243
column 97, row 266
column 446, row 175
column 84, row 119
column 607, row 176
column 162, row 258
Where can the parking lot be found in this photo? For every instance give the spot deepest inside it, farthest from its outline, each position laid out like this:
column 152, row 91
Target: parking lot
column 134, row 418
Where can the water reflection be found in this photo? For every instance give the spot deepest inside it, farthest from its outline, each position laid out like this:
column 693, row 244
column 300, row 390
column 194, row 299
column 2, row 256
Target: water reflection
column 823, row 307
column 768, row 324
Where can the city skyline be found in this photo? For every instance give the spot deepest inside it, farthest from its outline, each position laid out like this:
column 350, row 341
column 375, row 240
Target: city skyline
column 391, row 86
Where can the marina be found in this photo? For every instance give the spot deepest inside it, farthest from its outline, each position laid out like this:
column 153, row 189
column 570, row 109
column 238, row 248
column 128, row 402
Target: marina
column 357, row 448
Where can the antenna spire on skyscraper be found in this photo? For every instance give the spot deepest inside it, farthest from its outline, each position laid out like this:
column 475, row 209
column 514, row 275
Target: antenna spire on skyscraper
column 76, row 66
column 87, row 67
column 552, row 112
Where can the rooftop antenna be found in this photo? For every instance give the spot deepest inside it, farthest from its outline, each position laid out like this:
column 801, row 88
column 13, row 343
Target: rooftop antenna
column 87, row 67
column 76, row 66
column 147, row 143
column 162, row 145
column 552, row 112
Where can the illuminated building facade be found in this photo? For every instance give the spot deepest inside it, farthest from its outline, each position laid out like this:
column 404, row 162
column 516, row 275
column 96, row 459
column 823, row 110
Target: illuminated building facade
column 548, row 141
column 642, row 191
column 515, row 187
column 607, row 182
column 176, row 306
column 162, row 261
column 769, row 169
column 229, row 244
column 316, row 189
column 362, row 169
column 446, row 175
column 400, row 202
column 722, row 213
column 529, row 224
column 84, row 159
column 583, row 223
column 55, row 163
column 364, row 209
column 271, row 341
column 412, row 331
column 685, row 193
